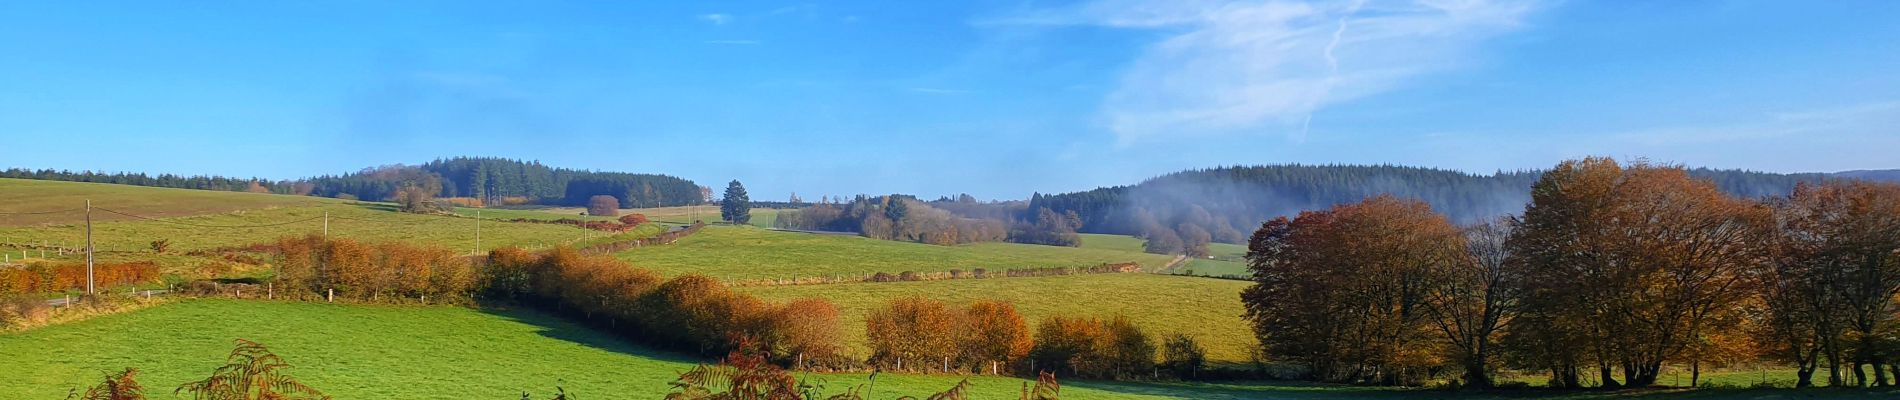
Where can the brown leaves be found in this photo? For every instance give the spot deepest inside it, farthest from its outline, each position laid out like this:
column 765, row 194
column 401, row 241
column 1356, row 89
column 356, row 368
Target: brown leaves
column 121, row 386
column 251, row 372
column 1344, row 289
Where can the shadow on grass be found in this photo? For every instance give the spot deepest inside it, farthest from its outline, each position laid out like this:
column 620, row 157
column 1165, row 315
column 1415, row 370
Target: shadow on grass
column 1308, row 390
column 554, row 327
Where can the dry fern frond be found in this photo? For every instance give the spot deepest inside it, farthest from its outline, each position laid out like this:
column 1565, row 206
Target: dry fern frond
column 1046, row 388
column 251, row 372
column 124, row 386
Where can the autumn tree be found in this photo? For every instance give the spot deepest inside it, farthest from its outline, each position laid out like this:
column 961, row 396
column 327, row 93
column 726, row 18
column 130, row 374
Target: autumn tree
column 1069, row 347
column 1833, row 277
column 1344, row 290
column 1183, row 355
column 993, row 334
column 1128, row 351
column 735, row 207
column 912, row 331
column 1162, row 240
column 603, row 206
column 416, row 199
column 1472, row 298
column 1194, row 240
column 1635, row 262
column 803, row 331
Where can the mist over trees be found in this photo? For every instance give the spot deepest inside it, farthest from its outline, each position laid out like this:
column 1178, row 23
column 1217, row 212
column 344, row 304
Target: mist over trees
column 1224, row 201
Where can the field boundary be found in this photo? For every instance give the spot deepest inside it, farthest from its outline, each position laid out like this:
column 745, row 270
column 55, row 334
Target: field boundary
column 913, row 276
column 663, row 238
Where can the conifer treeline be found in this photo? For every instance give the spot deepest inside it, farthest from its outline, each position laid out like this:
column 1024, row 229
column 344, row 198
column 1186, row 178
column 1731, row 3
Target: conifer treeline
column 1222, row 200
column 493, row 180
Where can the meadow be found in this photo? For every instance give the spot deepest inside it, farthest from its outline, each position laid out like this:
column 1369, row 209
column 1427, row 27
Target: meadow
column 441, row 352
column 680, row 215
column 197, row 219
column 736, row 253
column 1227, row 258
column 1208, row 309
column 377, row 352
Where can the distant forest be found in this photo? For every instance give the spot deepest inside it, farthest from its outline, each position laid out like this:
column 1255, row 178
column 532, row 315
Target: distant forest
column 492, row 180
column 1230, row 200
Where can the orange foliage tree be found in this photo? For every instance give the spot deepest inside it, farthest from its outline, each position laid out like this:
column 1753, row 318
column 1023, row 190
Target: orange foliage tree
column 1343, row 290
column 1633, row 263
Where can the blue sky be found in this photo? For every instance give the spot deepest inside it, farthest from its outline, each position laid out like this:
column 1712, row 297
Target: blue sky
column 995, row 98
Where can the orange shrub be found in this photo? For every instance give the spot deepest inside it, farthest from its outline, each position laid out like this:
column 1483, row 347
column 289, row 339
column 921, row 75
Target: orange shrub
column 691, row 312
column 312, row 266
column 47, row 277
column 912, row 332
column 994, row 333
column 465, row 202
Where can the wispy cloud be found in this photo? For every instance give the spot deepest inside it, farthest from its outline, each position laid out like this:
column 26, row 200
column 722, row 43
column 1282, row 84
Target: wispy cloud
column 938, row 90
column 735, row 42
column 1251, row 66
column 716, row 18
column 1844, row 122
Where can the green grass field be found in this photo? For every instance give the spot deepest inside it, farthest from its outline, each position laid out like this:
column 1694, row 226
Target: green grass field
column 375, row 352
column 25, row 195
column 1229, row 259
column 198, row 219
column 735, row 253
column 1208, row 309
column 440, row 352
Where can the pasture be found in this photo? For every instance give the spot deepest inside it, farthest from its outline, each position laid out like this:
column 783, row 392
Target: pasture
column 736, row 253
column 390, row 352
column 1227, row 258
column 1208, row 309
column 199, row 219
column 441, row 352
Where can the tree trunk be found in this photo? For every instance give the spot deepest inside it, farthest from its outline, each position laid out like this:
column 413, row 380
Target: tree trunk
column 1860, row 375
column 1695, row 372
column 1476, row 376
column 1880, row 372
column 1804, row 377
column 1609, row 381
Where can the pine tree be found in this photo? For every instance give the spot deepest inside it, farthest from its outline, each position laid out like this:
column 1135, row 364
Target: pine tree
column 735, row 207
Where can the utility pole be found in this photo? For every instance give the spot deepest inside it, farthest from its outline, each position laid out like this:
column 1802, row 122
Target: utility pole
column 89, row 288
column 478, row 232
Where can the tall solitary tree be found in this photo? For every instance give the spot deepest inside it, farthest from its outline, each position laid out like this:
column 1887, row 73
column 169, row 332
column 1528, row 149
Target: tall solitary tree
column 736, row 207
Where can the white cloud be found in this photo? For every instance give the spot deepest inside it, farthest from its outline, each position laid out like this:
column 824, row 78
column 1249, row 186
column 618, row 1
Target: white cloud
column 716, row 18
column 1249, row 66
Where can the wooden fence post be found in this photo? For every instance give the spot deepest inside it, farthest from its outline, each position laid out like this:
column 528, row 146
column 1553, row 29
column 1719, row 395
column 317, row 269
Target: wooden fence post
column 329, row 295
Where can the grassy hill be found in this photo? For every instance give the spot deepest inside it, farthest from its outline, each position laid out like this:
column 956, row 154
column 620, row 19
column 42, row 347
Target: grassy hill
column 33, row 196
column 373, row 352
column 200, row 219
column 1208, row 309
column 368, row 352
column 733, row 253
column 1228, row 259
